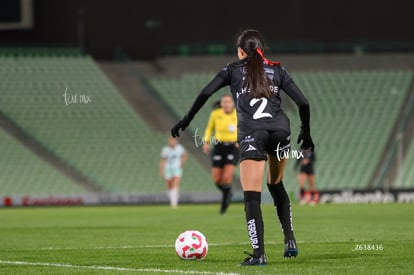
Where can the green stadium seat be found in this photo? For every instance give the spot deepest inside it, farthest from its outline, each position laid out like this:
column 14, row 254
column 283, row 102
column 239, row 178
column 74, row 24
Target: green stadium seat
column 405, row 178
column 105, row 140
column 23, row 173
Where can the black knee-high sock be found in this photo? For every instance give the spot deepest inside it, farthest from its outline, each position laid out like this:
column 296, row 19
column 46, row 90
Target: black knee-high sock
column 254, row 219
column 226, row 196
column 302, row 193
column 225, row 202
column 219, row 186
column 283, row 209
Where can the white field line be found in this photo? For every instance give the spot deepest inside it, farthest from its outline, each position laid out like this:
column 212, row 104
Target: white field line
column 113, row 268
column 144, row 246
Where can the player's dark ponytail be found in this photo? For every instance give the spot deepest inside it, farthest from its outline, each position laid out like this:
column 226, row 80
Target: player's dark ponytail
column 252, row 42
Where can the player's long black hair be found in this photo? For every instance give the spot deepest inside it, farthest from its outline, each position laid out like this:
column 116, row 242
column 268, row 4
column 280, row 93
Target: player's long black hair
column 252, row 42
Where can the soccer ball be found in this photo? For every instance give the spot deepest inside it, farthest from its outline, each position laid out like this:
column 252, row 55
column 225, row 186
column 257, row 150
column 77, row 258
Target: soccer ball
column 191, row 245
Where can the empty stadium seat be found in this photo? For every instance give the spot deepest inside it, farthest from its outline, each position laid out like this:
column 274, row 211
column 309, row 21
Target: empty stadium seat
column 405, row 179
column 25, row 173
column 103, row 138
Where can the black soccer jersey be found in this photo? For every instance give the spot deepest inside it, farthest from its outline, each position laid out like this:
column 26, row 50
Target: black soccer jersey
column 256, row 113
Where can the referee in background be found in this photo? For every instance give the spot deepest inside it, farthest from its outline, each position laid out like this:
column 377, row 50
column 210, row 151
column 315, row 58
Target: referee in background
column 221, row 131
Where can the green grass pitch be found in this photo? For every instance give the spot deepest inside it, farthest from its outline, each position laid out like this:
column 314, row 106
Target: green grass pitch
column 332, row 239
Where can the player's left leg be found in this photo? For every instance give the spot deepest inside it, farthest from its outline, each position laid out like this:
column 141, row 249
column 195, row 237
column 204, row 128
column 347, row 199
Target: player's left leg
column 217, row 175
column 282, row 203
column 226, row 181
column 251, row 176
column 218, row 172
column 302, row 180
column 169, row 183
column 175, row 184
column 314, row 193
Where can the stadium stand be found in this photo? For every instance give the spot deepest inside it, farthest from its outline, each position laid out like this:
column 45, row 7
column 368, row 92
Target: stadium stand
column 66, row 102
column 179, row 94
column 406, row 178
column 96, row 131
column 24, row 173
column 353, row 112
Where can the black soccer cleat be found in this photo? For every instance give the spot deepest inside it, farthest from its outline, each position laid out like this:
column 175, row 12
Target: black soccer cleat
column 291, row 250
column 249, row 261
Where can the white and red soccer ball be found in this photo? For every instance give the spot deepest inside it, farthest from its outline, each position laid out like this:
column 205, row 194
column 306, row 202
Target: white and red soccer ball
column 191, row 245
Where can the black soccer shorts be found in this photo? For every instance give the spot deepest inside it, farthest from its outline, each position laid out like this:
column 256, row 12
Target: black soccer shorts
column 224, row 153
column 257, row 145
column 307, row 169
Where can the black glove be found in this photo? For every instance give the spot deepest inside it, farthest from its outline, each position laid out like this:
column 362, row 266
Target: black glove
column 305, row 140
column 182, row 124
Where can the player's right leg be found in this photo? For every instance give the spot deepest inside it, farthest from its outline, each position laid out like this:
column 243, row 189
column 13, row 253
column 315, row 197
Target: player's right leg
column 282, row 203
column 279, row 144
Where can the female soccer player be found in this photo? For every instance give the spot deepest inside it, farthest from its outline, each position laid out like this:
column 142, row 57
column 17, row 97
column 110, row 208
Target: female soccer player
column 173, row 158
column 223, row 123
column 263, row 130
column 307, row 173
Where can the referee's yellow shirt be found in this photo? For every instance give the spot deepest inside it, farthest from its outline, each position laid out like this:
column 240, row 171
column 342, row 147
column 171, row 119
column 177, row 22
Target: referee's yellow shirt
column 223, row 125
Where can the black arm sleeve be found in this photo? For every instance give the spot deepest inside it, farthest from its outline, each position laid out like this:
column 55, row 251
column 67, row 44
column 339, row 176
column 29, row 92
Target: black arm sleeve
column 297, row 96
column 218, row 82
